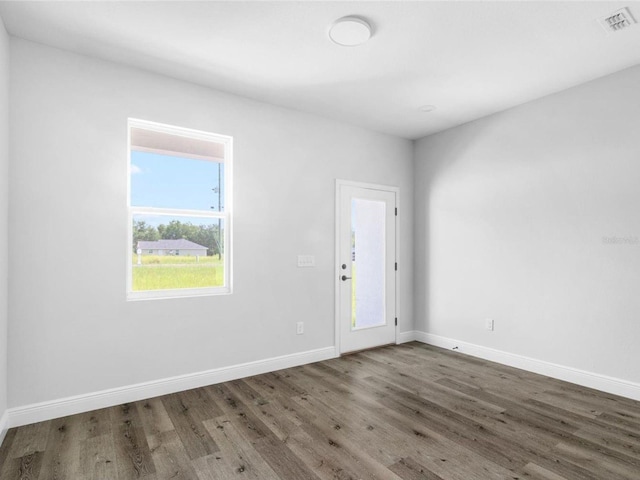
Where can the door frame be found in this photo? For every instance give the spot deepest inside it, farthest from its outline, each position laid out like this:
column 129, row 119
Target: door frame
column 373, row 186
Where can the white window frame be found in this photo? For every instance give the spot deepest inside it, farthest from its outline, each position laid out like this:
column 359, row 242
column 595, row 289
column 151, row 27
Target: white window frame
column 225, row 215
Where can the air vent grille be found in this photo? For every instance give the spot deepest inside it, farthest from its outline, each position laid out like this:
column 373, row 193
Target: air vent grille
column 618, row 20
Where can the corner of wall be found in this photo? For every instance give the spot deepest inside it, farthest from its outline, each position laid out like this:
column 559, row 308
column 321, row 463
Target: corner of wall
column 4, row 201
column 4, row 425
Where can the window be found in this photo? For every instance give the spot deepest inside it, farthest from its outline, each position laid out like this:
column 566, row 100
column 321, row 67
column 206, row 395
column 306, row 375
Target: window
column 179, row 241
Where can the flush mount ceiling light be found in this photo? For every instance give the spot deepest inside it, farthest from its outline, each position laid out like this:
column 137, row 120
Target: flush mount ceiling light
column 427, row 108
column 350, row 31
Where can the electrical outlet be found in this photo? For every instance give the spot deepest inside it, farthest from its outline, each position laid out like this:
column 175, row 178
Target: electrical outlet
column 489, row 324
column 299, row 328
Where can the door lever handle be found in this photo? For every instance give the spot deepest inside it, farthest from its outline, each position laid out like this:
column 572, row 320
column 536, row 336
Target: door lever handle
column 344, row 277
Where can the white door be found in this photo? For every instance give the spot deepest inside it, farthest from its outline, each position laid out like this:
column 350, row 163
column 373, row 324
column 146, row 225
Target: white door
column 367, row 267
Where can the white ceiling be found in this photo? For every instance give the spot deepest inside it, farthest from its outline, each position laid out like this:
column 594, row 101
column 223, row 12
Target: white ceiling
column 470, row 59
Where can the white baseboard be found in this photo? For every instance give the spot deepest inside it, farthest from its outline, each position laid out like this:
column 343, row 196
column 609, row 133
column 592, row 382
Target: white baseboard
column 19, row 416
column 404, row 337
column 604, row 383
column 4, row 426
column 116, row 396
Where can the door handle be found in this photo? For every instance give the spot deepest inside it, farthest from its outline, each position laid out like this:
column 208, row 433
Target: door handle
column 344, row 277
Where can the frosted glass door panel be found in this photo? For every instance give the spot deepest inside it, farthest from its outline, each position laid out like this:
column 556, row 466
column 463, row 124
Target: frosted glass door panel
column 368, row 263
column 366, row 280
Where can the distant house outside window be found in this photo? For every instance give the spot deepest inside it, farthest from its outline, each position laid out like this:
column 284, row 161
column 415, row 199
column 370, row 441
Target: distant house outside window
column 179, row 241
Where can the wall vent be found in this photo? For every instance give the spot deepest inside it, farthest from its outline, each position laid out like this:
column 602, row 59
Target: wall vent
column 618, row 20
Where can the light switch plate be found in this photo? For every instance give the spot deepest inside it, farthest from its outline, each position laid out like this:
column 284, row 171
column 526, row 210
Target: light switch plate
column 306, row 261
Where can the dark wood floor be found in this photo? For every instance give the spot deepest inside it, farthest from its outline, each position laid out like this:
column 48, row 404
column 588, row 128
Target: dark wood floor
column 403, row 412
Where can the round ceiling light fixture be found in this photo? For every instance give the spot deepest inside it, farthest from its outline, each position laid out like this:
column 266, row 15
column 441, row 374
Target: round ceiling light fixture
column 350, row 31
column 427, row 108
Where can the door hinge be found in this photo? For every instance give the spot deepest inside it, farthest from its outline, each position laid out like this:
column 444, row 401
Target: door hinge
column 396, row 266
column 396, row 321
column 396, row 211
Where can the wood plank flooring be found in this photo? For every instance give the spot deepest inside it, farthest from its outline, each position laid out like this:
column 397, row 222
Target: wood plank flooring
column 410, row 412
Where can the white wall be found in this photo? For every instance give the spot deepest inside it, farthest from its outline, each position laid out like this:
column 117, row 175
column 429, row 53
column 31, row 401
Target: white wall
column 511, row 212
column 4, row 210
column 72, row 332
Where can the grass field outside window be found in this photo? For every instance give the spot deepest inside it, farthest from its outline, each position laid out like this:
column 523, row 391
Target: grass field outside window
column 165, row 272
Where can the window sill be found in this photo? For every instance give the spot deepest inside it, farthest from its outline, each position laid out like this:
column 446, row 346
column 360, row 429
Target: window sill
column 177, row 293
